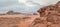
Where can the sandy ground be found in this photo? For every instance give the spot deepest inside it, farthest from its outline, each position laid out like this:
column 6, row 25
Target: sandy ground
column 25, row 20
column 21, row 20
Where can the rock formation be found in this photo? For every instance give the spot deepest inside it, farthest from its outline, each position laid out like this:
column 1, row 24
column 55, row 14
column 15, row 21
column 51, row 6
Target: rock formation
column 12, row 12
column 49, row 14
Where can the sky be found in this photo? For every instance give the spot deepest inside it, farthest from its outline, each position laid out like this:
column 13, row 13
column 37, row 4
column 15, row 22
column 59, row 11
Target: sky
column 24, row 6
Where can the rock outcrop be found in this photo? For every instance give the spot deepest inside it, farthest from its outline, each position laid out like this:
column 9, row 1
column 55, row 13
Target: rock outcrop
column 12, row 12
column 49, row 16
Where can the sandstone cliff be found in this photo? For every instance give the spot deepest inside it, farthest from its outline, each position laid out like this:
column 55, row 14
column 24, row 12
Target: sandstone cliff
column 49, row 16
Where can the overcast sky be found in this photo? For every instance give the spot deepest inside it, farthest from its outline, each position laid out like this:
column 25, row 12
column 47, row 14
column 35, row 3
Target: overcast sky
column 41, row 2
column 24, row 6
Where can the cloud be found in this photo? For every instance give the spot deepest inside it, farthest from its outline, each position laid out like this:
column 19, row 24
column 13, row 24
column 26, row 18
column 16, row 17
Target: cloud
column 43, row 2
column 23, row 1
column 26, row 3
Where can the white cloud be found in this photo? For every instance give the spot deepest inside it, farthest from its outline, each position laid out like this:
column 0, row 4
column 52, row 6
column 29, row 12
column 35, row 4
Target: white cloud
column 30, row 4
column 26, row 3
column 23, row 1
column 42, row 2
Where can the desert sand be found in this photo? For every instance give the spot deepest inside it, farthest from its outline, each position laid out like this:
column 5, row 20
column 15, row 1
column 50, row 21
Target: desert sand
column 18, row 20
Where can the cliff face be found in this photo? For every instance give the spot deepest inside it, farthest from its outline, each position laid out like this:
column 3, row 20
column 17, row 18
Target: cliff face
column 49, row 16
column 51, row 9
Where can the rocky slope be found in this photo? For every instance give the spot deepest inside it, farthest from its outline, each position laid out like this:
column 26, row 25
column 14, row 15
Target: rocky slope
column 51, row 14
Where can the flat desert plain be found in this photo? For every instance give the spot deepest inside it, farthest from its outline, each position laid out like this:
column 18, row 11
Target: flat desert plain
column 18, row 20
